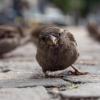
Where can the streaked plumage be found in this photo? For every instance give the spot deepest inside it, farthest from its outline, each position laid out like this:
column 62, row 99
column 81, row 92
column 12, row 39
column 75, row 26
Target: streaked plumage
column 57, row 49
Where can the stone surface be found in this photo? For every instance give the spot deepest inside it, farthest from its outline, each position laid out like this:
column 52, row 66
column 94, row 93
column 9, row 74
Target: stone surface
column 36, row 93
column 89, row 90
column 20, row 65
column 90, row 78
column 22, row 83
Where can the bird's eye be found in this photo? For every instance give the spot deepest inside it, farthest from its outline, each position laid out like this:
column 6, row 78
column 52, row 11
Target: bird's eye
column 42, row 38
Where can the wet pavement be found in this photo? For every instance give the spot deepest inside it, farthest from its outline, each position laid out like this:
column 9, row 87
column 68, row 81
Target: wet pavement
column 21, row 77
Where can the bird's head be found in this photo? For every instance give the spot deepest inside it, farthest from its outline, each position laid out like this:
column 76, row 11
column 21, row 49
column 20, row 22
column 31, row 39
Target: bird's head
column 49, row 40
column 50, row 36
column 56, row 37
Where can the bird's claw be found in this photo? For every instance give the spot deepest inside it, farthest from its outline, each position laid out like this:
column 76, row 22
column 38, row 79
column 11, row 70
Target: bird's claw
column 77, row 73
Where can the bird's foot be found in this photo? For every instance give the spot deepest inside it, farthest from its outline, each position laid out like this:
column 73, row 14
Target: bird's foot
column 77, row 72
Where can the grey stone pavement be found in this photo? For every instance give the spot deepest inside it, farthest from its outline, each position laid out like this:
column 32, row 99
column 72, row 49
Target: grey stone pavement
column 21, row 77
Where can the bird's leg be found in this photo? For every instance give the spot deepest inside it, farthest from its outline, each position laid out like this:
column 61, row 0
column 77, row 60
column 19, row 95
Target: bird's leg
column 77, row 72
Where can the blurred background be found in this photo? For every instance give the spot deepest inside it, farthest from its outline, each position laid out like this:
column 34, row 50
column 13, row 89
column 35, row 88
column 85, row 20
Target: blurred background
column 60, row 12
column 26, row 17
column 20, row 24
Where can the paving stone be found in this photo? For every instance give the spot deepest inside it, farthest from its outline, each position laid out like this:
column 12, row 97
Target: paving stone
column 88, row 68
column 90, row 78
column 49, row 82
column 89, row 91
column 36, row 93
column 20, row 70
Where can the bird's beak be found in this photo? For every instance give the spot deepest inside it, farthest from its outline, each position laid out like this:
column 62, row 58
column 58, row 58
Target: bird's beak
column 52, row 41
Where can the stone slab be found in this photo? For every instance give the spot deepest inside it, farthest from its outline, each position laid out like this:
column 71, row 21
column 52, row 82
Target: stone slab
column 21, row 83
column 88, row 91
column 90, row 78
column 35, row 93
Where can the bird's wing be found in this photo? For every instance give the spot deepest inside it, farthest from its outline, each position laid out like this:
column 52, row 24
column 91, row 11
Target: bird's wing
column 71, row 37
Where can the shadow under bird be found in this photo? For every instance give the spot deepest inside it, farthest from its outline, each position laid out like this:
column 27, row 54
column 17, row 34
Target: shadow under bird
column 57, row 50
column 11, row 37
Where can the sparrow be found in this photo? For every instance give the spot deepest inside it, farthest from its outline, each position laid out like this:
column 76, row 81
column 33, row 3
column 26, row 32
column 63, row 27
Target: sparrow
column 57, row 50
column 11, row 37
column 94, row 31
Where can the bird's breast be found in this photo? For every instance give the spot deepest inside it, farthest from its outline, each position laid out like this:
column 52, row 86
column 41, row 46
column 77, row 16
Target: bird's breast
column 57, row 58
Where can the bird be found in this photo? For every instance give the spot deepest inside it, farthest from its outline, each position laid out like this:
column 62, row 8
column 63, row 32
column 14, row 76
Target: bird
column 57, row 50
column 11, row 37
column 93, row 30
